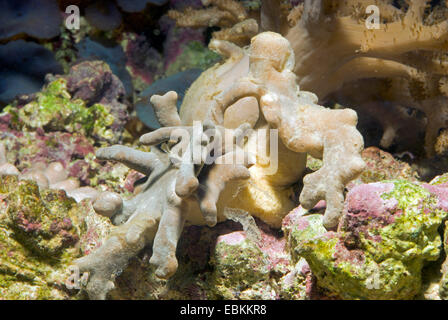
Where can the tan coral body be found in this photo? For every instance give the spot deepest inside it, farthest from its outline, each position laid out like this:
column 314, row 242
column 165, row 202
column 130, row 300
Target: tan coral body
column 267, row 196
column 252, row 89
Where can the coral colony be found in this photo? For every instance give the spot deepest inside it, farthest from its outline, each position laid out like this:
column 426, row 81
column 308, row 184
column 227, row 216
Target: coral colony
column 224, row 149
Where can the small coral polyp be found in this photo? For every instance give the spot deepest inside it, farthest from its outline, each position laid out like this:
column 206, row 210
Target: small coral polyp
column 52, row 176
column 253, row 88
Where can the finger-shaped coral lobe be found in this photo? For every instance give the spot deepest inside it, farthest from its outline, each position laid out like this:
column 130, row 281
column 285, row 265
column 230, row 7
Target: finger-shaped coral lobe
column 199, row 166
column 229, row 14
column 166, row 109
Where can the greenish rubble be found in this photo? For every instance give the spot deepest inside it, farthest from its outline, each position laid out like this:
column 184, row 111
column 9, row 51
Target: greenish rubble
column 194, row 55
column 39, row 238
column 240, row 271
column 53, row 109
column 440, row 180
column 372, row 258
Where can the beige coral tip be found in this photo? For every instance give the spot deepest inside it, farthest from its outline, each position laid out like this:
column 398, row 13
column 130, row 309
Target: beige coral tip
column 66, row 185
column 108, row 204
column 8, row 169
column 38, row 176
column 165, row 108
column 185, row 186
column 169, row 97
column 83, row 193
column 166, row 269
column 349, row 117
column 209, row 211
column 55, row 172
column 331, row 220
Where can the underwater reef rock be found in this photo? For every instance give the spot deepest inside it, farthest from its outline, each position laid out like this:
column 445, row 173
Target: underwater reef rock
column 387, row 233
column 248, row 268
column 170, row 196
column 41, row 220
column 114, row 56
column 144, row 62
column 40, row 232
column 93, row 82
column 56, row 125
column 192, row 55
column 442, row 182
column 207, row 267
column 184, row 48
column 73, row 151
column 240, row 270
column 27, row 151
column 381, row 165
column 252, row 264
column 53, row 109
column 443, row 284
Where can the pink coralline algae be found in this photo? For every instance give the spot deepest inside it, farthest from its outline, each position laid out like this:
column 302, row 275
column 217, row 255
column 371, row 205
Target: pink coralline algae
column 386, row 234
column 365, row 206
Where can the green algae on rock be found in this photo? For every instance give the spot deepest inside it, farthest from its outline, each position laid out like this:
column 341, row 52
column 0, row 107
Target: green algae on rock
column 42, row 220
column 230, row 265
column 387, row 233
column 381, row 165
column 39, row 238
column 440, row 180
column 240, row 270
column 297, row 283
column 55, row 110
column 443, row 284
column 194, row 55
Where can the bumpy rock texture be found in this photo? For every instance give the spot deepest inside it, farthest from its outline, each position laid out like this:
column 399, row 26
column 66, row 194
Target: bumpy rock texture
column 441, row 184
column 40, row 235
column 54, row 110
column 387, row 233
